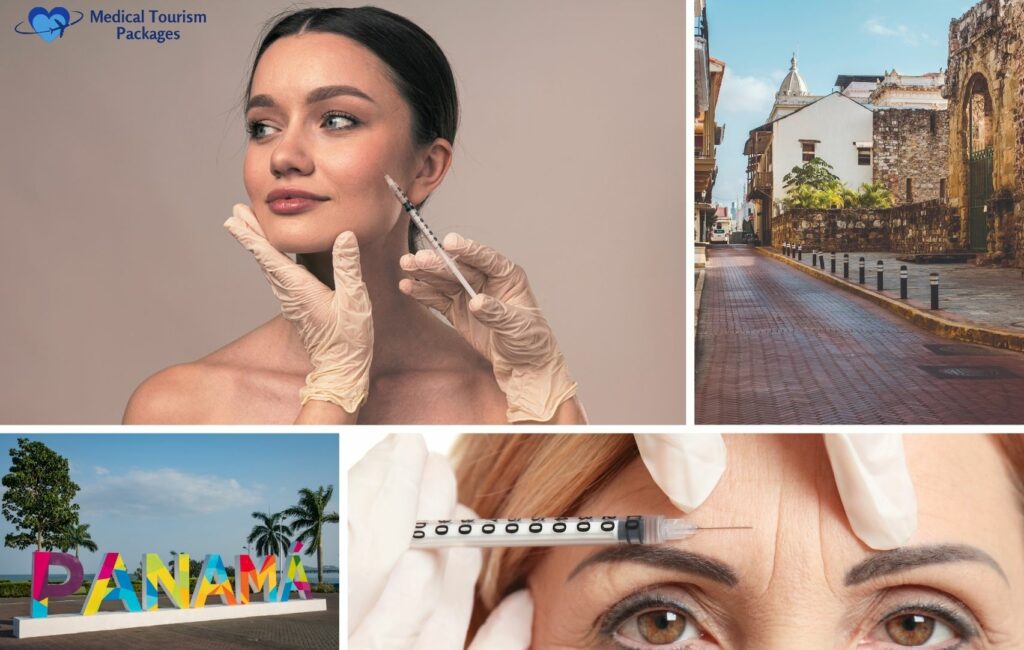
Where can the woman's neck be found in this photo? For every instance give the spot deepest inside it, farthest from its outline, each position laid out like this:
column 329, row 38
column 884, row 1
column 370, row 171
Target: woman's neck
column 404, row 330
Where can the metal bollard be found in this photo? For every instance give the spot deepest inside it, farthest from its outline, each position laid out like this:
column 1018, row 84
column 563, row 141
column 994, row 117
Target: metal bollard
column 832, row 261
column 785, row 249
column 934, row 280
column 821, row 261
column 814, row 257
column 879, row 270
column 800, row 253
column 861, row 270
column 846, row 266
column 903, row 282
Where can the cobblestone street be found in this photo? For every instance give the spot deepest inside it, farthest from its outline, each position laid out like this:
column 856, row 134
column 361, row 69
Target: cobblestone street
column 775, row 346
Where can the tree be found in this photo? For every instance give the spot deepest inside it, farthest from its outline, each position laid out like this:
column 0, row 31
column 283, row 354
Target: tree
column 271, row 535
column 78, row 536
column 38, row 500
column 309, row 516
column 815, row 172
column 874, row 195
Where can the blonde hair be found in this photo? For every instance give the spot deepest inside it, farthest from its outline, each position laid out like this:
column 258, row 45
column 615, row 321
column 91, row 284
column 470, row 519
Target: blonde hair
column 522, row 475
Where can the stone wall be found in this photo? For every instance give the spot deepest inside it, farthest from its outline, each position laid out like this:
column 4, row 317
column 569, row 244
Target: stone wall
column 986, row 59
column 911, row 143
column 927, row 227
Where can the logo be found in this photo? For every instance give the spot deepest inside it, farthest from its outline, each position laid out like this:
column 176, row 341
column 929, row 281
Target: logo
column 48, row 25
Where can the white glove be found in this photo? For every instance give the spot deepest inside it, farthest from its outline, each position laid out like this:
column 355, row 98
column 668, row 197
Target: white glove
column 870, row 472
column 874, row 485
column 416, row 599
column 336, row 327
column 503, row 323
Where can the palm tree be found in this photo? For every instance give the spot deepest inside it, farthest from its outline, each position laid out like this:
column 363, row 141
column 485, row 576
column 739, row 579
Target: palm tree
column 78, row 536
column 309, row 516
column 271, row 535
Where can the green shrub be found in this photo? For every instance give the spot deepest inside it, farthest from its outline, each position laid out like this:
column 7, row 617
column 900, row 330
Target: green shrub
column 322, row 588
column 15, row 589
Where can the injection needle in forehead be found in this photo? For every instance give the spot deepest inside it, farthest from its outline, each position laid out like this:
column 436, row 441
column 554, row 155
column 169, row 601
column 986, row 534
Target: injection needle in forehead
column 429, row 234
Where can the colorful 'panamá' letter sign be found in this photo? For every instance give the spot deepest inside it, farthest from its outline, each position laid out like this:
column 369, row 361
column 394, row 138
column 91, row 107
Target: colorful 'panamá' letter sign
column 113, row 569
column 42, row 590
column 296, row 580
column 213, row 580
column 158, row 577
column 248, row 578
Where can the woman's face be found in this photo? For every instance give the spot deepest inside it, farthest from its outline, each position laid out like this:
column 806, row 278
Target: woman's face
column 799, row 578
column 325, row 118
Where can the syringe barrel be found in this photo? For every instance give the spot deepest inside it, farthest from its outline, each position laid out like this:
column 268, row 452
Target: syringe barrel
column 536, row 531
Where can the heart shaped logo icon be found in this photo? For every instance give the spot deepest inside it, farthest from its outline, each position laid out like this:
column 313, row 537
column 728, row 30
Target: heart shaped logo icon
column 49, row 24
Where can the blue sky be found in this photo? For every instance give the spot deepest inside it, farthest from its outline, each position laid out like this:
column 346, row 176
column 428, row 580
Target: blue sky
column 193, row 493
column 756, row 39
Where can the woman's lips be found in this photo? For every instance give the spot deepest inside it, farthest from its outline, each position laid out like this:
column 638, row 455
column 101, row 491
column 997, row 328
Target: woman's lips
column 293, row 205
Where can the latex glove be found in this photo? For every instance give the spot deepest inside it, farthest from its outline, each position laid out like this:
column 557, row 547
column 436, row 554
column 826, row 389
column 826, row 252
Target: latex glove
column 874, row 485
column 503, row 323
column 336, row 327
column 686, row 466
column 393, row 486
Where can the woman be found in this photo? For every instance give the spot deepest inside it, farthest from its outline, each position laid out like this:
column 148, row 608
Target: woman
column 338, row 98
column 799, row 578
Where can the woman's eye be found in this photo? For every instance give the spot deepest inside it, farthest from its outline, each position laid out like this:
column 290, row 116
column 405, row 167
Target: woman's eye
column 916, row 630
column 339, row 121
column 257, row 130
column 656, row 628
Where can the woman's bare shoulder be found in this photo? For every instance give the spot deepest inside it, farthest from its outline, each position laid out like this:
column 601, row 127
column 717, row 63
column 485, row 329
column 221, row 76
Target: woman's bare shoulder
column 222, row 387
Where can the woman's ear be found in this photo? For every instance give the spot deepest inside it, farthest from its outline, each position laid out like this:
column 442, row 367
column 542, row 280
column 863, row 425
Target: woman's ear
column 433, row 166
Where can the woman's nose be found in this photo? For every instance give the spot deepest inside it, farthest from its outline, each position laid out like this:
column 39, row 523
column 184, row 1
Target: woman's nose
column 291, row 155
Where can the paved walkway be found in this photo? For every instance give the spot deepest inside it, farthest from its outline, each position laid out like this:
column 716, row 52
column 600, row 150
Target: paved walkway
column 980, row 294
column 776, row 346
column 313, row 630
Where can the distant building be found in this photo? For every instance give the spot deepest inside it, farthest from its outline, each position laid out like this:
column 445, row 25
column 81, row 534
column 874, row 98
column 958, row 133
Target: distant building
column 707, row 133
column 986, row 124
column 872, row 128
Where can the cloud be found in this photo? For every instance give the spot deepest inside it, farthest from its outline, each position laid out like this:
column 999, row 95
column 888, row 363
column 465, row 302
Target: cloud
column 878, row 28
column 742, row 94
column 165, row 492
column 101, row 471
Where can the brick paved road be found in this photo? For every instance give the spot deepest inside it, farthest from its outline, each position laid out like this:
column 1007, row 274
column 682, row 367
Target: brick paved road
column 775, row 346
column 308, row 631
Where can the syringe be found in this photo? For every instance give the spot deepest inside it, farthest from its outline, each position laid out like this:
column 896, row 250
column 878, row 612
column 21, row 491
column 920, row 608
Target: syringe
column 429, row 234
column 555, row 531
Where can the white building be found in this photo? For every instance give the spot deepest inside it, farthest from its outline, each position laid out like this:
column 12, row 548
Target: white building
column 838, row 128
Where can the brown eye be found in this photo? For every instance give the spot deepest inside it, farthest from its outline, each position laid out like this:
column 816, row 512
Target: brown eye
column 916, row 630
column 661, row 626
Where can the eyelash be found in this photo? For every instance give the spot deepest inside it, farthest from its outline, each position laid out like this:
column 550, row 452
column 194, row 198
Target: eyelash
column 251, row 127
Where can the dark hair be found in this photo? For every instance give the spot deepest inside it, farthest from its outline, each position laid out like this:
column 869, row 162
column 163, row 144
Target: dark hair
column 415, row 62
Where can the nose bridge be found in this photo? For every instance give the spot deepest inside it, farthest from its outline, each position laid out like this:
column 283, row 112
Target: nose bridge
column 291, row 152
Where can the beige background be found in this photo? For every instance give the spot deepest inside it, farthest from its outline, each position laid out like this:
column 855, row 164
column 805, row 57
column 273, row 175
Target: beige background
column 121, row 160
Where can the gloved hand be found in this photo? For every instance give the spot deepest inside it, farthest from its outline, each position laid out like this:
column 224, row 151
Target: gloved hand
column 336, row 327
column 503, row 323
column 416, row 599
column 870, row 472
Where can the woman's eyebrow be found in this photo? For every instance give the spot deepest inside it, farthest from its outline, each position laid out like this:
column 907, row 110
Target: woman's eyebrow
column 314, row 96
column 664, row 557
column 907, row 558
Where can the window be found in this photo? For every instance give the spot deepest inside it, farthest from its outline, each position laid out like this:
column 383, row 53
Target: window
column 863, row 156
column 931, row 123
column 808, row 150
column 942, row 189
column 910, row 190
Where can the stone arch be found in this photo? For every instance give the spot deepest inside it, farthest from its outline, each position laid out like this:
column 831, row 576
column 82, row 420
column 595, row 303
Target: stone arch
column 979, row 117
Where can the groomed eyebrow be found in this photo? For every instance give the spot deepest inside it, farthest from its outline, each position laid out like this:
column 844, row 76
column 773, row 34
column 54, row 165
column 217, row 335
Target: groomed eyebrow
column 314, row 96
column 663, row 557
column 912, row 557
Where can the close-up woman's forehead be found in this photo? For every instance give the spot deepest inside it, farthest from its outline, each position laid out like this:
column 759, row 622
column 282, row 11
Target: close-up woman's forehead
column 295, row 64
column 784, row 489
